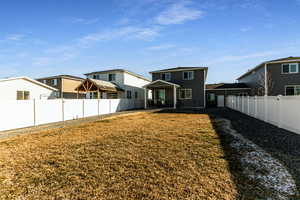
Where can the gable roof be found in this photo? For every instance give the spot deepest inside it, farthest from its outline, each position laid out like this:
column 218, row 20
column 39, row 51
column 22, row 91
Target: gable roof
column 224, row 86
column 63, row 76
column 30, row 80
column 280, row 60
column 157, row 82
column 102, row 85
column 118, row 70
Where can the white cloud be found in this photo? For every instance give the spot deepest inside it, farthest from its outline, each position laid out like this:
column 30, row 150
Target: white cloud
column 161, row 47
column 232, row 58
column 129, row 32
column 83, row 21
column 15, row 37
column 246, row 29
column 178, row 13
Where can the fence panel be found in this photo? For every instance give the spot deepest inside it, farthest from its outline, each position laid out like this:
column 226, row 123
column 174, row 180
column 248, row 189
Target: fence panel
column 16, row 114
column 90, row 107
column 73, row 109
column 280, row 111
column 48, row 111
column 273, row 110
column 290, row 115
column 104, row 106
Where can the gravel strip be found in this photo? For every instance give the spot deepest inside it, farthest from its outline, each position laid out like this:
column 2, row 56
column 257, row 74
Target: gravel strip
column 281, row 144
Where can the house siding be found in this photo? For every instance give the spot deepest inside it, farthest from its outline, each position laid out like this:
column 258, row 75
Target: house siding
column 197, row 86
column 279, row 80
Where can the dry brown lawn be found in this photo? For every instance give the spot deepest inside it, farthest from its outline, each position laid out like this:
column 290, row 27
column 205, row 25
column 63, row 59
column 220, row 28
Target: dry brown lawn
column 142, row 156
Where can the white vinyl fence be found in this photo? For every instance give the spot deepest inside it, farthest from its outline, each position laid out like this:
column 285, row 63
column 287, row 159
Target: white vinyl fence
column 18, row 114
column 281, row 111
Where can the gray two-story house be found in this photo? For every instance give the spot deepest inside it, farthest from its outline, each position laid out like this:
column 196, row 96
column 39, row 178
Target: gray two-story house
column 275, row 77
column 177, row 87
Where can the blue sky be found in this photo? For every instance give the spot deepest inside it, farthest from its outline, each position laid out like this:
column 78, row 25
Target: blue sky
column 50, row 37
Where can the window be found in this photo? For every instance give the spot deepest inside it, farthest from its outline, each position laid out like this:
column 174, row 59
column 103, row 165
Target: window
column 45, row 81
column 111, row 77
column 188, row 75
column 96, row 76
column 185, row 93
column 136, row 94
column 128, row 94
column 292, row 90
column 290, row 68
column 54, row 81
column 23, row 95
column 166, row 76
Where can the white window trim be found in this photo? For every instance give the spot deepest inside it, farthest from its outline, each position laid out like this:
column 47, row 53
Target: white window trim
column 291, row 86
column 297, row 64
column 54, row 81
column 185, row 95
column 161, row 75
column 187, row 79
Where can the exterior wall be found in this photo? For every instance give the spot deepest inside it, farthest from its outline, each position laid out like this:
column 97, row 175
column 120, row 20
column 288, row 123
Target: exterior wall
column 197, row 86
column 126, row 81
column 65, row 86
column 280, row 80
column 254, row 79
column 8, row 90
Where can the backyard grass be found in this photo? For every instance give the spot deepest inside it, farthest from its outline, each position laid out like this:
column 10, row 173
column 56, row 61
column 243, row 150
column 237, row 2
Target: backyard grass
column 139, row 156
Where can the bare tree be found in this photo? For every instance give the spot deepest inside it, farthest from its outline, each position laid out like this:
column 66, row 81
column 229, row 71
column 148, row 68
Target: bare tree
column 260, row 89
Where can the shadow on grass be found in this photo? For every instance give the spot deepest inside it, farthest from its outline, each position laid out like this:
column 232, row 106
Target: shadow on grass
column 281, row 144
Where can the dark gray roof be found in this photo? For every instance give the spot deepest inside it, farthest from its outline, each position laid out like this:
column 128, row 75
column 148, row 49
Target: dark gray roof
column 179, row 69
column 227, row 86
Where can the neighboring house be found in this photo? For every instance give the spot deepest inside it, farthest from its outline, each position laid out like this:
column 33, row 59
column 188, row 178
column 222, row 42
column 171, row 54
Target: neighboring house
column 66, row 85
column 24, row 88
column 275, row 77
column 178, row 87
column 217, row 93
column 116, row 83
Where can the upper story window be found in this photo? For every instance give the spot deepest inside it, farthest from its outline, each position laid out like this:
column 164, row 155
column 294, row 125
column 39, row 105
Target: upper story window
column 111, row 77
column 54, row 81
column 292, row 90
column 96, row 76
column 128, row 94
column 290, row 68
column 189, row 75
column 166, row 76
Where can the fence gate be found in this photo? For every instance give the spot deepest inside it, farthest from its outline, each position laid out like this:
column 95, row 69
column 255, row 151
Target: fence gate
column 221, row 99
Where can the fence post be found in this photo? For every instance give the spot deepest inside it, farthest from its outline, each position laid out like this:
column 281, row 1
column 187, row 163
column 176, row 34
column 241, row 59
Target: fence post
column 63, row 109
column 266, row 108
column 255, row 105
column 82, row 108
column 248, row 104
column 280, row 111
column 109, row 101
column 242, row 99
column 34, row 113
column 98, row 107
